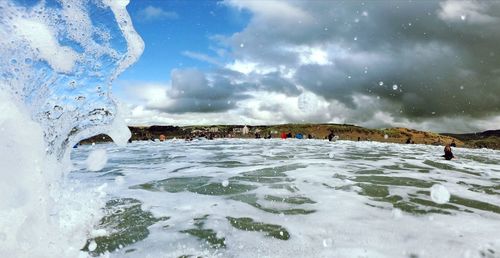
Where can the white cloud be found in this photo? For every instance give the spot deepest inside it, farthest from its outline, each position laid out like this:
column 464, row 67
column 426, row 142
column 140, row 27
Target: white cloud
column 247, row 67
column 312, row 55
column 202, row 57
column 470, row 11
column 272, row 10
column 151, row 13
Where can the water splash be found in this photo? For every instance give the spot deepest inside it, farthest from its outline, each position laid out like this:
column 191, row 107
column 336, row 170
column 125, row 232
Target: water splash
column 58, row 59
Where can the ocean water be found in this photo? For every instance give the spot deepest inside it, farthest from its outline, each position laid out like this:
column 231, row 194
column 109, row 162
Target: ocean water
column 292, row 198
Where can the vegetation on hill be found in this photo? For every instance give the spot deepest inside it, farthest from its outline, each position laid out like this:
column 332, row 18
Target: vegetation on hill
column 488, row 139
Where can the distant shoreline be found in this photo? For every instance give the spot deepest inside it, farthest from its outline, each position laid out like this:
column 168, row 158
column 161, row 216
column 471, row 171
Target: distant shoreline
column 487, row 139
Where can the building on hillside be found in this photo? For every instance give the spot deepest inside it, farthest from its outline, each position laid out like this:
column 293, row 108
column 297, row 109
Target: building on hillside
column 213, row 129
column 245, row 130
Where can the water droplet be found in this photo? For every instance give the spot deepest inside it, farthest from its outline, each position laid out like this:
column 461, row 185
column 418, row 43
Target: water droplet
column 463, row 17
column 439, row 194
column 395, row 87
column 461, row 87
column 242, row 45
column 92, row 246
column 380, row 83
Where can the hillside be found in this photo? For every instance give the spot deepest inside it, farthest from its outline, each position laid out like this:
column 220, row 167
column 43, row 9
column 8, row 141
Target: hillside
column 487, row 139
column 318, row 131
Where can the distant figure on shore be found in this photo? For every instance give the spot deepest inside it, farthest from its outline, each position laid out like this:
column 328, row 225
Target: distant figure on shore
column 309, row 136
column 359, row 138
column 453, row 144
column 408, row 141
column 269, row 136
column 283, row 135
column 162, row 137
column 289, row 135
column 447, row 152
column 257, row 135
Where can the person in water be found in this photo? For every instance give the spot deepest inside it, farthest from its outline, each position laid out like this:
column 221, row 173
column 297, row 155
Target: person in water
column 331, row 136
column 447, row 152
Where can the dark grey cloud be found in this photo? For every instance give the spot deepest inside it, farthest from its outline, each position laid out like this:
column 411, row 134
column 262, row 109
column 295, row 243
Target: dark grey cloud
column 192, row 91
column 443, row 56
column 274, row 82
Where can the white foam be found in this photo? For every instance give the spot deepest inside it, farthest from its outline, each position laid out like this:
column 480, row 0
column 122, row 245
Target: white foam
column 37, row 218
column 41, row 37
column 439, row 194
column 345, row 223
column 96, row 160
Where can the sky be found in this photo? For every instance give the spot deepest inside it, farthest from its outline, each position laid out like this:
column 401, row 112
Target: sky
column 429, row 65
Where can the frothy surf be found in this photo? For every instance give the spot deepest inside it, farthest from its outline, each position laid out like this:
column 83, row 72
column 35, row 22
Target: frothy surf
column 57, row 62
column 295, row 198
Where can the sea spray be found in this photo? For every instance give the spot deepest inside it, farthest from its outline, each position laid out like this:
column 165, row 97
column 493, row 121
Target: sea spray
column 57, row 62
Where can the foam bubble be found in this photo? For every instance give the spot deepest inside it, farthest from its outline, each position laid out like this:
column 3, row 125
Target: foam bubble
column 439, row 194
column 92, row 246
column 97, row 159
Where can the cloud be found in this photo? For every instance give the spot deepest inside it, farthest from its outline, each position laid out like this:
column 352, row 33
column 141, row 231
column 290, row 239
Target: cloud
column 151, row 13
column 429, row 65
column 474, row 12
column 189, row 91
column 202, row 57
column 436, row 61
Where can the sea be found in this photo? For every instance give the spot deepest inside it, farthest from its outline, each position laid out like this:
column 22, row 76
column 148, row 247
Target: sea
column 292, row 198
